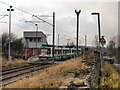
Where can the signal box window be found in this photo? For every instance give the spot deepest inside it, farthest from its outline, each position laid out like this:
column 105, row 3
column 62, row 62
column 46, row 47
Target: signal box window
column 34, row 39
column 39, row 39
column 30, row 39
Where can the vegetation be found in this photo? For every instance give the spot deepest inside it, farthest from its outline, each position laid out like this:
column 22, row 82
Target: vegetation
column 51, row 77
column 9, row 64
column 96, row 42
column 111, row 78
column 16, row 45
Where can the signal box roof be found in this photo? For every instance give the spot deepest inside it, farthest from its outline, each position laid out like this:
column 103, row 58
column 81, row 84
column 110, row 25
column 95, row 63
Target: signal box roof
column 27, row 34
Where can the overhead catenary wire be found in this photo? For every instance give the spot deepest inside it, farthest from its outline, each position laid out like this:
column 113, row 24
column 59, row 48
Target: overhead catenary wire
column 42, row 20
column 3, row 12
column 31, row 13
column 27, row 13
column 17, row 18
column 24, row 11
column 15, row 7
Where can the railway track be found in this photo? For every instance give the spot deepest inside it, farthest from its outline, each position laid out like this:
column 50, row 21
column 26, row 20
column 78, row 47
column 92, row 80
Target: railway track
column 11, row 75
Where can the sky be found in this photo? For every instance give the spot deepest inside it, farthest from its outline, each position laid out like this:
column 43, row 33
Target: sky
column 65, row 18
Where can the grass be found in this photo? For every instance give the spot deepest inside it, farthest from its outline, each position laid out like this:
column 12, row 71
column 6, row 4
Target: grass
column 51, row 77
column 111, row 77
column 15, row 62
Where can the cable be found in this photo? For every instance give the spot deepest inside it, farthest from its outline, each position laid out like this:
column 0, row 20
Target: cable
column 3, row 11
column 43, row 20
column 36, row 17
column 16, row 8
column 26, row 12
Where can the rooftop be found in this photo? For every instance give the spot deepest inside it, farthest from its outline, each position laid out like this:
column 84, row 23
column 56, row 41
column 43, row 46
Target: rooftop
column 33, row 34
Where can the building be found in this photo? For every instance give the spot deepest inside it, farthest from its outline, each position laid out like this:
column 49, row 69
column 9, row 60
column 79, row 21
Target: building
column 32, row 42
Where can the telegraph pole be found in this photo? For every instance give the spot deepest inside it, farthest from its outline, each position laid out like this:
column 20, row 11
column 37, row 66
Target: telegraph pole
column 53, row 25
column 36, row 36
column 53, row 37
column 58, row 39
column 9, row 57
column 85, row 40
column 77, row 12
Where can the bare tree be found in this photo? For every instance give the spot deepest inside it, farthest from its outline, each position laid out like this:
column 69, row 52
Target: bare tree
column 96, row 42
column 118, row 40
column 5, row 41
column 118, row 53
column 16, row 44
column 112, row 46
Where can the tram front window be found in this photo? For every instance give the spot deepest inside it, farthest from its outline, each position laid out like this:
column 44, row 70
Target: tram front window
column 43, row 51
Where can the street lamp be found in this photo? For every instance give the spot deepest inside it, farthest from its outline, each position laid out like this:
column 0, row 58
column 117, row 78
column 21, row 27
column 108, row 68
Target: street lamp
column 99, row 32
column 98, row 14
column 9, row 57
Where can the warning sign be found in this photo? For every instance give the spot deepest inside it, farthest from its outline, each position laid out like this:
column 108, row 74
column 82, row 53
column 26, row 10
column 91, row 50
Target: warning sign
column 102, row 40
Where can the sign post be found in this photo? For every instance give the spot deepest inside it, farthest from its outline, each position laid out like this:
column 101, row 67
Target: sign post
column 102, row 42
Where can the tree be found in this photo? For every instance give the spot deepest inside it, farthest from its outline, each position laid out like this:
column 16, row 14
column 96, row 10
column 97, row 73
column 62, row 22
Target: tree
column 111, row 47
column 72, row 44
column 118, row 40
column 5, row 41
column 96, row 42
column 16, row 44
column 118, row 48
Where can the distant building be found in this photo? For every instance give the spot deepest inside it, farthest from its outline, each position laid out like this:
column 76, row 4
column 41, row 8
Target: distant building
column 30, row 42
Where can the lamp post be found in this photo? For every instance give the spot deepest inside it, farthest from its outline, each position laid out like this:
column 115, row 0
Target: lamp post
column 99, row 32
column 85, row 40
column 9, row 57
column 98, row 14
column 77, row 13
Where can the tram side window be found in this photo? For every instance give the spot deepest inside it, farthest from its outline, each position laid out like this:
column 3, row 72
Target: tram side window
column 60, row 52
column 49, row 51
column 55, row 51
column 64, row 51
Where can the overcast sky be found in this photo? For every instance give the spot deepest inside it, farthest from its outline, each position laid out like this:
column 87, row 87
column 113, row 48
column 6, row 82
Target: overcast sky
column 65, row 18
